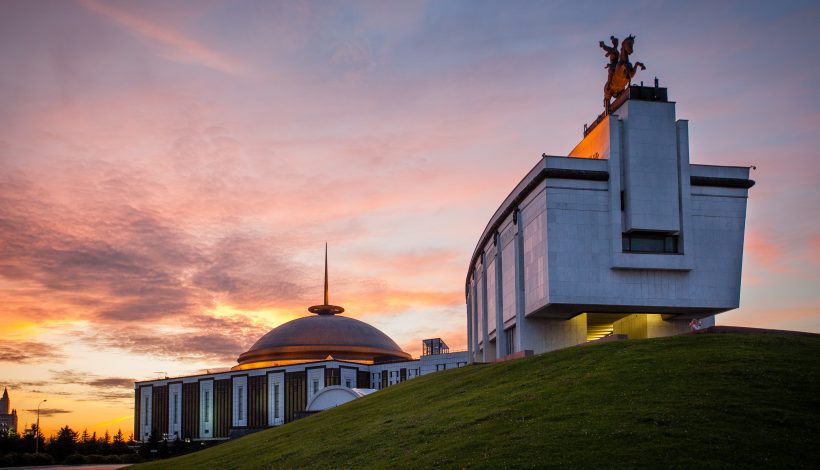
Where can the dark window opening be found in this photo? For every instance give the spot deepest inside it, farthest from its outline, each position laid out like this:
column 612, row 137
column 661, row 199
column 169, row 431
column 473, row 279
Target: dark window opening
column 650, row 242
column 509, row 340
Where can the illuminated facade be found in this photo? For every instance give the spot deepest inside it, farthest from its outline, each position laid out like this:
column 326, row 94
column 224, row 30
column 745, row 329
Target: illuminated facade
column 621, row 237
column 299, row 367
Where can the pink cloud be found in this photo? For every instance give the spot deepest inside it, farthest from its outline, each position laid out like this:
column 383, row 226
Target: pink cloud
column 179, row 48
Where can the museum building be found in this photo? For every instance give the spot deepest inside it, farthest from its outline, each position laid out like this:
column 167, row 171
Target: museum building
column 298, row 368
column 621, row 237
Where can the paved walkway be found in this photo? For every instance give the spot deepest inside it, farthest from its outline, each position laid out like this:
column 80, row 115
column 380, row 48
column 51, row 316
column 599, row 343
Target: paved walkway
column 84, row 467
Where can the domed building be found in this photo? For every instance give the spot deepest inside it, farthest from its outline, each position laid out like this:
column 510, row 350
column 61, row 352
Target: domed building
column 310, row 363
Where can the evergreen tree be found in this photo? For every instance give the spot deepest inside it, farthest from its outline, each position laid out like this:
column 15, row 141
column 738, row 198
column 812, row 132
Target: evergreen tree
column 118, row 443
column 64, row 444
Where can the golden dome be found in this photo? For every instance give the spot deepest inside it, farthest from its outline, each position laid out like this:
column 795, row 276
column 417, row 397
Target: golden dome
column 314, row 338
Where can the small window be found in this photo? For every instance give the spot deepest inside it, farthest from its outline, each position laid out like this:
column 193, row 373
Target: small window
column 650, row 242
column 315, row 387
column 347, row 383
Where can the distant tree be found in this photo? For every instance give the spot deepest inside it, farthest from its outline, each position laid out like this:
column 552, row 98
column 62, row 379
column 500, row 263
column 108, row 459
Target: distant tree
column 151, row 444
column 9, row 442
column 118, row 443
column 64, row 444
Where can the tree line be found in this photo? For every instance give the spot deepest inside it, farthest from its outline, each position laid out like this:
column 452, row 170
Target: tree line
column 75, row 448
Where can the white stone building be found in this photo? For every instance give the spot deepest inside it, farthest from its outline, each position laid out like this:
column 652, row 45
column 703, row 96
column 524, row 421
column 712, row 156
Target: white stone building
column 622, row 236
column 282, row 374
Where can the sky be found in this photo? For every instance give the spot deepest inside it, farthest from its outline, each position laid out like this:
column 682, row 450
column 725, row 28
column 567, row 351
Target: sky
column 170, row 171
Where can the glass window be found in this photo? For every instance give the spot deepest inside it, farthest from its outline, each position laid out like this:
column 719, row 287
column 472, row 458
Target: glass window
column 315, row 387
column 650, row 242
column 239, row 404
column 509, row 334
column 347, row 383
column 207, row 406
column 146, row 411
column 176, row 404
column 276, row 401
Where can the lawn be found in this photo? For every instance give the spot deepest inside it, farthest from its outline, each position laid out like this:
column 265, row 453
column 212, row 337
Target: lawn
column 705, row 401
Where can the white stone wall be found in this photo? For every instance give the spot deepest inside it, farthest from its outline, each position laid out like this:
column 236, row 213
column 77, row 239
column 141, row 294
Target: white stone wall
column 240, row 401
column 348, row 378
column 567, row 243
column 174, row 411
column 206, row 409
column 276, row 398
column 440, row 362
column 650, row 170
column 146, row 410
column 315, row 381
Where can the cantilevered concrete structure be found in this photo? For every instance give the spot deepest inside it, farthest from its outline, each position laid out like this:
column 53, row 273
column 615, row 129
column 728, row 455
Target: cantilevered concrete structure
column 621, row 236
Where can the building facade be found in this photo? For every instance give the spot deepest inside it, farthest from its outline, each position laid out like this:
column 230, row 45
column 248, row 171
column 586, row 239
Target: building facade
column 279, row 379
column 622, row 236
column 8, row 415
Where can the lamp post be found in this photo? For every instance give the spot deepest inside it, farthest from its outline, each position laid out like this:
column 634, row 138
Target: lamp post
column 37, row 433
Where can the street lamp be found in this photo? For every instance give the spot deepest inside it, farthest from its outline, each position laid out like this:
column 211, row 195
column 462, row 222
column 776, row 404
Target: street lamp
column 37, row 434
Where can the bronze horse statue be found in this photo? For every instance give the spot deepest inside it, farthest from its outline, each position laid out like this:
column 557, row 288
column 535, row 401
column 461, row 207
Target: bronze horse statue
column 620, row 68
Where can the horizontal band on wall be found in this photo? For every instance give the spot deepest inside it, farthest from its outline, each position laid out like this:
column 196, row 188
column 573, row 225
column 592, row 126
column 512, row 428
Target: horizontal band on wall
column 721, row 182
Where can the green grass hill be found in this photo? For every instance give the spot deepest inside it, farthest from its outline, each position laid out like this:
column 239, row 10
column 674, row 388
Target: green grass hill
column 692, row 401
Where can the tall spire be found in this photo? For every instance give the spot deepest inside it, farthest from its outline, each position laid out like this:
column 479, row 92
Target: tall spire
column 326, row 308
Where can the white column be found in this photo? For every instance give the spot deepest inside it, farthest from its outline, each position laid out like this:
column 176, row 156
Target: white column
column 206, row 409
column 240, row 401
column 146, row 410
column 174, row 411
column 276, row 398
column 500, row 338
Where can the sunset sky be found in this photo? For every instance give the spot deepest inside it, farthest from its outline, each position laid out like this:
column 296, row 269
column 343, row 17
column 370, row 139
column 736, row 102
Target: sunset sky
column 170, row 171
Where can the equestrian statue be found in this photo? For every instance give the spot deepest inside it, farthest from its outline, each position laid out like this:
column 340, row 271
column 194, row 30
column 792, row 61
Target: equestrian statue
column 620, row 69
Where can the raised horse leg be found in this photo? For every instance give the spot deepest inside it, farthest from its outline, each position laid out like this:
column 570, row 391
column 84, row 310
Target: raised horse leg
column 635, row 70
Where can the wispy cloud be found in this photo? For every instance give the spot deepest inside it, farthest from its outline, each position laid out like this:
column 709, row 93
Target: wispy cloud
column 178, row 47
column 48, row 412
column 29, row 352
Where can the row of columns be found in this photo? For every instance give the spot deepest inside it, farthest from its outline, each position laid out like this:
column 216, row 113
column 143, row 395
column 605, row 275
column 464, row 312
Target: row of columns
column 477, row 323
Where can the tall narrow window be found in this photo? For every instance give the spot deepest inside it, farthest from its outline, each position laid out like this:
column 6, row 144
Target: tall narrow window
column 239, row 403
column 276, row 401
column 207, row 406
column 176, row 407
column 146, row 412
column 315, row 387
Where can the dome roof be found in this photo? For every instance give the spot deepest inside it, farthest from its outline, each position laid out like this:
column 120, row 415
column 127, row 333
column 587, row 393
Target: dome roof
column 314, row 338
column 320, row 336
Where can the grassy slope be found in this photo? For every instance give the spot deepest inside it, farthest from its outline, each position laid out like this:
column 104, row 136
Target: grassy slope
column 688, row 401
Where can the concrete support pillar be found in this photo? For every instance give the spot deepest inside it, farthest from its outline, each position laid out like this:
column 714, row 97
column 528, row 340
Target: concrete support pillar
column 498, row 318
column 485, row 357
column 470, row 348
column 520, row 327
